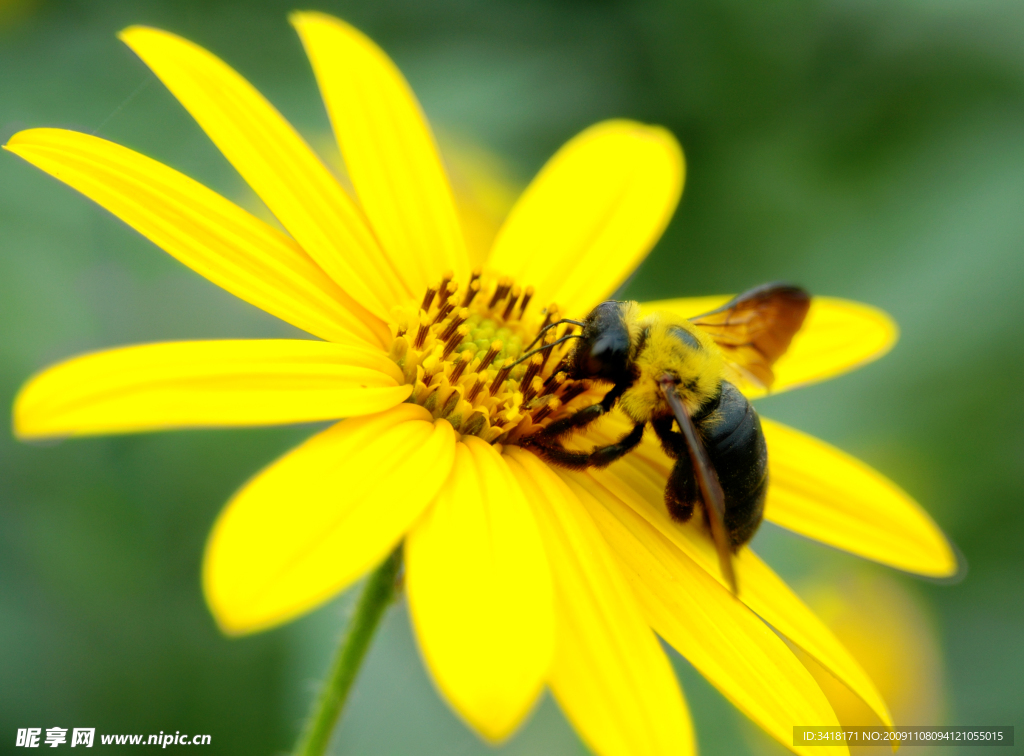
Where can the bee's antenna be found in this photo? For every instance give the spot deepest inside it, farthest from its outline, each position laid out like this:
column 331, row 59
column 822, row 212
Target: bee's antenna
column 549, row 326
column 554, row 343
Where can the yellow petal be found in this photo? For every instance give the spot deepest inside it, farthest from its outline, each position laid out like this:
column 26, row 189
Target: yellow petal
column 389, row 151
column 276, row 163
column 480, row 593
column 592, row 214
column 211, row 235
column 837, row 336
column 322, row 515
column 774, row 601
column 822, row 493
column 639, row 481
column 192, row 384
column 610, row 676
column 703, row 621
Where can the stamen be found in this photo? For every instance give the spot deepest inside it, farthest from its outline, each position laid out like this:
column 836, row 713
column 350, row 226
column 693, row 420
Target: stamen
column 475, row 390
column 535, row 387
column 428, row 298
column 460, row 367
column 499, row 293
column 554, row 382
column 494, row 351
column 447, row 291
column 443, row 313
column 549, row 349
column 536, row 363
column 460, row 317
column 471, row 291
column 550, row 316
column 421, row 334
column 527, row 296
column 511, row 303
column 502, row 375
column 454, row 340
column 545, row 349
column 552, row 404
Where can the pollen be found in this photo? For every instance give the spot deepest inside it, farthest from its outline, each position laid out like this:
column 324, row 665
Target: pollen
column 483, row 357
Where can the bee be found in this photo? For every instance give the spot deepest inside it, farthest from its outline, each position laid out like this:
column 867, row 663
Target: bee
column 680, row 377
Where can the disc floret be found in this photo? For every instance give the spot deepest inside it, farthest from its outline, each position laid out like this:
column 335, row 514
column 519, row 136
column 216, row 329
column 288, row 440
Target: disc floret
column 463, row 351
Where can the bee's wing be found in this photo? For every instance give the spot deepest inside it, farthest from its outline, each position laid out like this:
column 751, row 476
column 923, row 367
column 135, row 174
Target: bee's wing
column 707, row 479
column 755, row 329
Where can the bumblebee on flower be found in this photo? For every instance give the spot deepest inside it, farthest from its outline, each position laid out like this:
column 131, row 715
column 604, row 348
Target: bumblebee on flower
column 520, row 573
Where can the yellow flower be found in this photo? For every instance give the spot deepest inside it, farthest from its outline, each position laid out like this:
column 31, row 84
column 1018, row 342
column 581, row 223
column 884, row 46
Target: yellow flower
column 519, row 575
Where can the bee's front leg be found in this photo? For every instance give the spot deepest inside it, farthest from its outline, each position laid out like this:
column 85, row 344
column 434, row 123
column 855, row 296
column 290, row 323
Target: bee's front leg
column 600, row 456
column 580, row 419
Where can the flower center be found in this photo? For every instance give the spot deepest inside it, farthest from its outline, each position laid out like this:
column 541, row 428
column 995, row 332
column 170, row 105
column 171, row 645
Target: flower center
column 486, row 359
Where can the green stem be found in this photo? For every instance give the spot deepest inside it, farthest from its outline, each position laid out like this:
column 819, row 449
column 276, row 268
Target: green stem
column 377, row 593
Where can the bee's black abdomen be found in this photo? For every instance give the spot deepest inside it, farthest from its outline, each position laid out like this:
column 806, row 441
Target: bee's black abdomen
column 731, row 432
column 734, row 441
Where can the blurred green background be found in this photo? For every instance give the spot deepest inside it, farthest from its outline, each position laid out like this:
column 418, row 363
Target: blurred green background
column 870, row 150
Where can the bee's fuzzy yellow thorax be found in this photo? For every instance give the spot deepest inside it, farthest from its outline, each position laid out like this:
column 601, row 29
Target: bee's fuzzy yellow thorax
column 672, row 345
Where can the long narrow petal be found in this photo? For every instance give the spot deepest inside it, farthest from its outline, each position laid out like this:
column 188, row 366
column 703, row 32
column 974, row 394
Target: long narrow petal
column 838, row 336
column 480, row 593
column 388, row 149
column 822, row 493
column 610, row 676
column 639, row 481
column 206, row 232
column 276, row 163
column 727, row 643
column 322, row 515
column 592, row 214
column 776, row 603
column 191, row 384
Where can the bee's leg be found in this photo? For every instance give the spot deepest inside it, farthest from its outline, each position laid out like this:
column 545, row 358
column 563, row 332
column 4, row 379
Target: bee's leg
column 584, row 417
column 681, row 491
column 600, row 456
column 673, row 442
column 554, row 452
column 575, row 422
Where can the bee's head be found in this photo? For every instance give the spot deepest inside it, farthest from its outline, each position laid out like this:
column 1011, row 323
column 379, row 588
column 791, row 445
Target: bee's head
column 605, row 346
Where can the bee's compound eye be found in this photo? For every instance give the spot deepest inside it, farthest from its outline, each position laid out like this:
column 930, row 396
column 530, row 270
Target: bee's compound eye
column 609, row 353
column 603, row 351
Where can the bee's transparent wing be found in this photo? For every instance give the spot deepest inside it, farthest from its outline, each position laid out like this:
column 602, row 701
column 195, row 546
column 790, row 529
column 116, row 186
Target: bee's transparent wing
column 755, row 329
